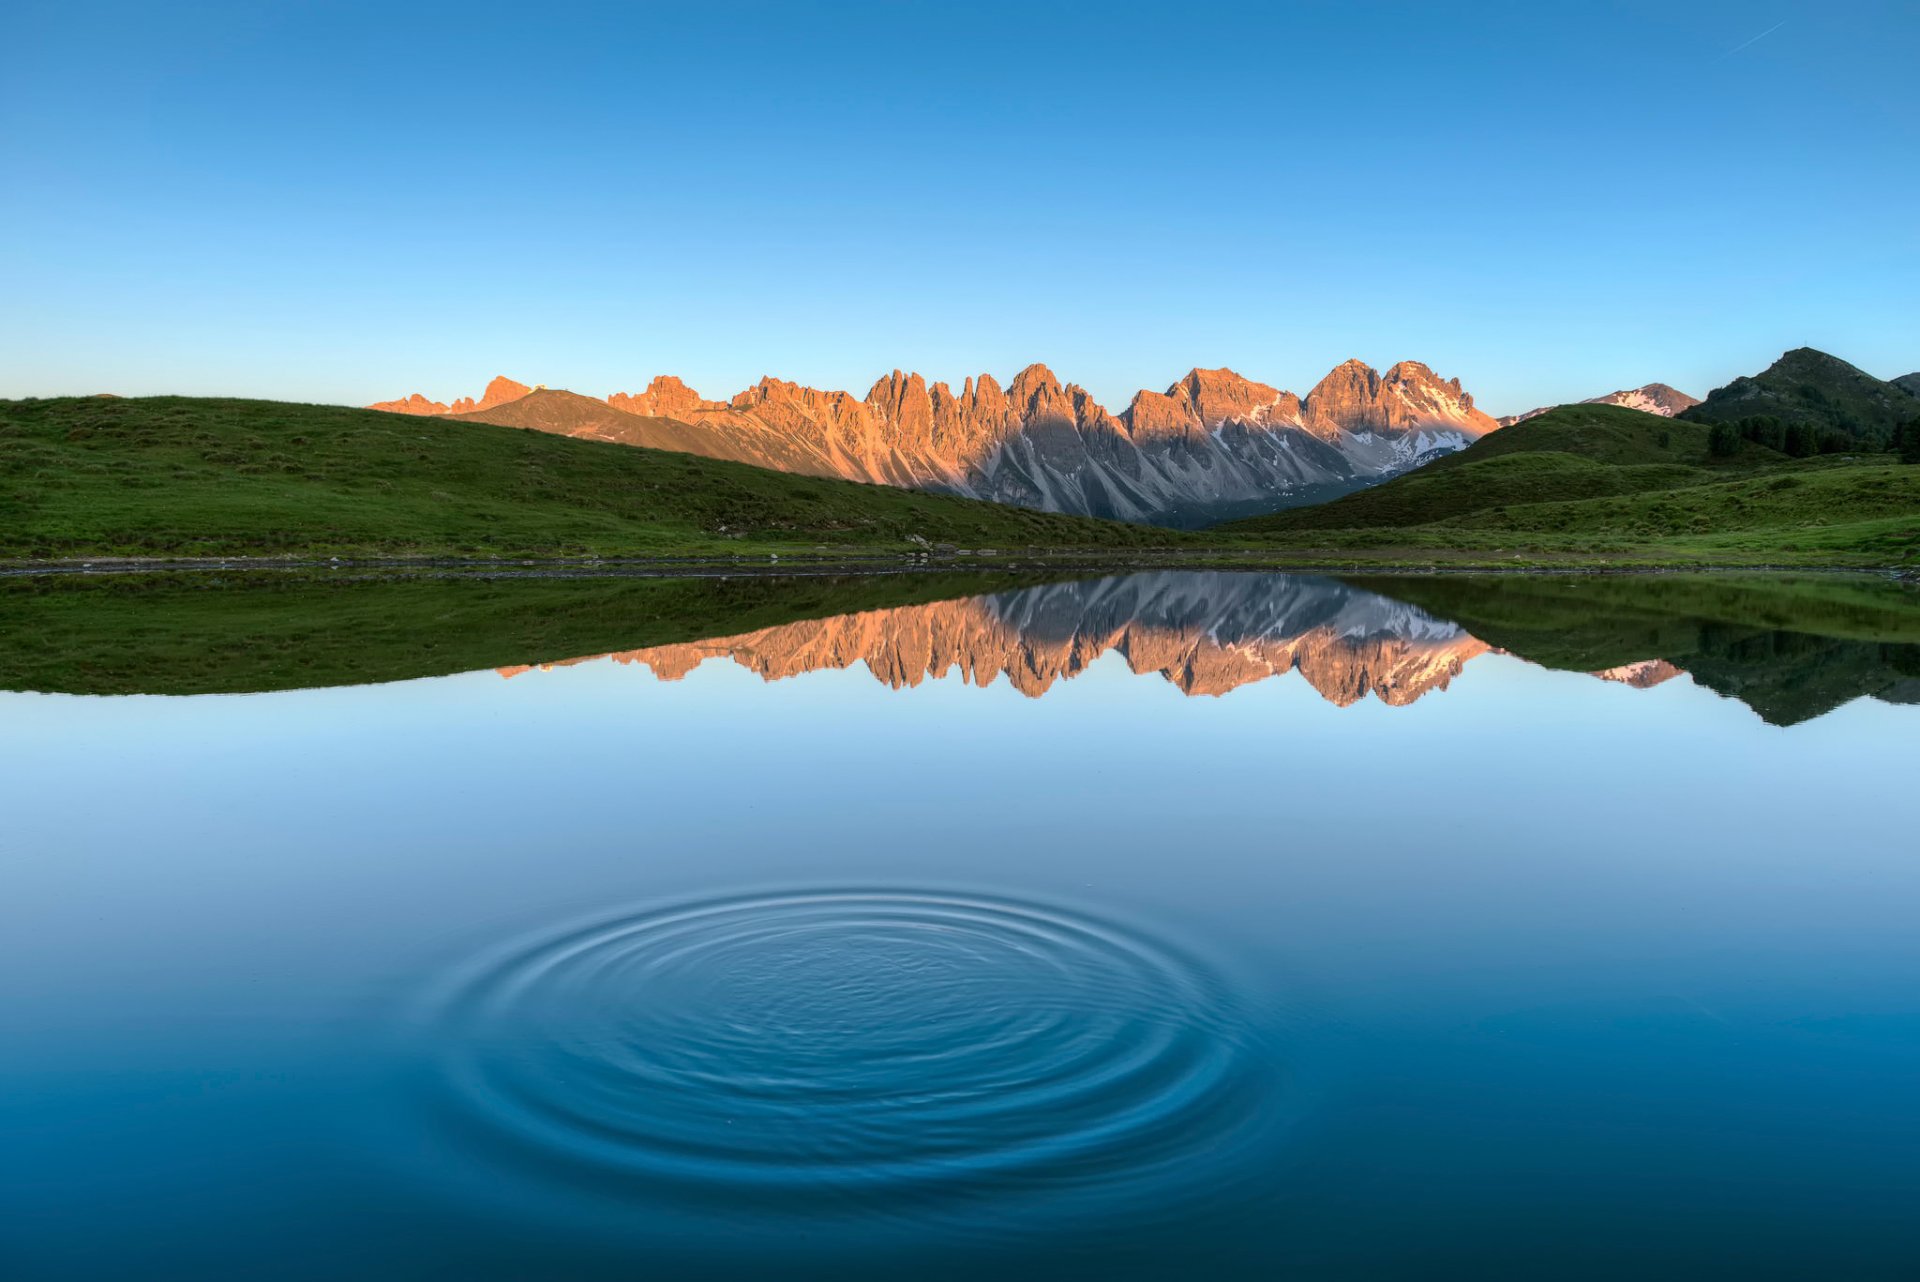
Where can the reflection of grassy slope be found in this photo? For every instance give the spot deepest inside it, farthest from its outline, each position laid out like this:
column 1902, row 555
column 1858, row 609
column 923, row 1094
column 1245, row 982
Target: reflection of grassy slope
column 1425, row 496
column 1599, row 480
column 181, row 475
column 1791, row 648
column 194, row 635
column 1788, row 677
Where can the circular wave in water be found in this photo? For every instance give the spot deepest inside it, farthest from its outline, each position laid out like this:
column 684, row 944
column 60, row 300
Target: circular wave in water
column 857, row 1045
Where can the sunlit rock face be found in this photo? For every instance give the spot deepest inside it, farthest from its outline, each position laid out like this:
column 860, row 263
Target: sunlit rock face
column 500, row 391
column 1206, row 634
column 1212, row 439
column 414, row 404
column 1643, row 675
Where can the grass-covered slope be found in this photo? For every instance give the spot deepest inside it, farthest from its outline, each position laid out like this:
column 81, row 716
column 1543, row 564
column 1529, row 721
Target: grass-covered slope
column 1574, row 452
column 184, row 476
column 1610, row 434
column 1435, row 494
column 1595, row 480
column 1809, row 387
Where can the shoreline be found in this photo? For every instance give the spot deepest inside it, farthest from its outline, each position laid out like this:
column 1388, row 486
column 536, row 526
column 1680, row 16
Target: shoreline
column 887, row 563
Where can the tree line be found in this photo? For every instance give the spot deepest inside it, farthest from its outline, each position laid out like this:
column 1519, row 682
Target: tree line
column 1804, row 440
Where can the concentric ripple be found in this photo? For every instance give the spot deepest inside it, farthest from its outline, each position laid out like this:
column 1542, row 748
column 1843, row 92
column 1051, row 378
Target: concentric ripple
column 850, row 1044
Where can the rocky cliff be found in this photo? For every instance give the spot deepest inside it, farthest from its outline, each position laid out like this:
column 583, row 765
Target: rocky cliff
column 499, row 392
column 1213, row 442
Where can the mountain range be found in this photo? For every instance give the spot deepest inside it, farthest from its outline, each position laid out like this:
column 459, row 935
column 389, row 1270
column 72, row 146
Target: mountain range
column 1214, row 444
column 1213, row 447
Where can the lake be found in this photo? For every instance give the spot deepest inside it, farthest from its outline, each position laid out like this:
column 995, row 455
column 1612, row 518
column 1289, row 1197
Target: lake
column 1176, row 924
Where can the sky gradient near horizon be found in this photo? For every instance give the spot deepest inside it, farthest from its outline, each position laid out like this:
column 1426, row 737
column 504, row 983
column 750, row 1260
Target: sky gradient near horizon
column 346, row 202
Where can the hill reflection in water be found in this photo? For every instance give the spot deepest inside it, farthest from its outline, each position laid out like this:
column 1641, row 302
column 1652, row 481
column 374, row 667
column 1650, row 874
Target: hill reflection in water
column 1790, row 648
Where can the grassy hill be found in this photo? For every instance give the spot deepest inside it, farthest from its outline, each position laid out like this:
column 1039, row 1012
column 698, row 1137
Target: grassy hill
column 183, row 476
column 723, row 436
column 1608, row 434
column 1574, row 452
column 1435, row 493
column 1810, row 387
column 176, row 476
column 1587, row 481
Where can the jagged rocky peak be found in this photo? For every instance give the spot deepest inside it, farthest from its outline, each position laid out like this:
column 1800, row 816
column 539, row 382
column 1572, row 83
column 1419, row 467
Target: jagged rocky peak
column 1036, row 397
column 414, row 404
column 1408, row 398
column 665, row 397
column 1346, row 399
column 501, row 390
column 1222, row 396
column 1035, row 383
column 1207, row 399
column 903, row 402
column 498, row 392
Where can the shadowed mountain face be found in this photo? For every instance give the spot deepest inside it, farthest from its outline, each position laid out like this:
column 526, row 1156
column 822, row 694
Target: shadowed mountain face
column 1810, row 387
column 1211, row 445
column 1207, row 633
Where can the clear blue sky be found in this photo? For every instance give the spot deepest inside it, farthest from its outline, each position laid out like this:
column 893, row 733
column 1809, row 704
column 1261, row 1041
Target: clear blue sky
column 341, row 202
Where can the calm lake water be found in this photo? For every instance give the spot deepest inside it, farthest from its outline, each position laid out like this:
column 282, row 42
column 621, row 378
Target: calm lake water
column 1176, row 925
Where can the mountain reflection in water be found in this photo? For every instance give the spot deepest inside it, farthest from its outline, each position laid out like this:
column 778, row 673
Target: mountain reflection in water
column 1789, row 647
column 1209, row 633
column 394, row 969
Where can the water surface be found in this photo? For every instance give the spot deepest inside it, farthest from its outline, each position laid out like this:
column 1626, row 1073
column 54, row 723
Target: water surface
column 1162, row 925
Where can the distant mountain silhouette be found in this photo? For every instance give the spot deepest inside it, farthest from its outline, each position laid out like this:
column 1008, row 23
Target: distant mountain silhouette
column 1811, row 387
